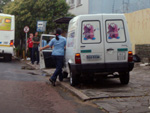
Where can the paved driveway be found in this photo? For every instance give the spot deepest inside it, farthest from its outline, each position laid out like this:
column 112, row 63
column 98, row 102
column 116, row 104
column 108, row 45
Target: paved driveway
column 110, row 95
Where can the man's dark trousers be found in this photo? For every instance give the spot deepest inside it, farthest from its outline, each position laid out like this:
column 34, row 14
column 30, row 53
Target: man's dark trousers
column 35, row 51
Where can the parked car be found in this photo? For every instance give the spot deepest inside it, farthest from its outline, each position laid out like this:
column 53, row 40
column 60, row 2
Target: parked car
column 98, row 43
column 46, row 60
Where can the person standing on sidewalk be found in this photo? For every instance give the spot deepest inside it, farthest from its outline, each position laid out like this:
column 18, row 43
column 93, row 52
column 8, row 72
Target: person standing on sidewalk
column 30, row 45
column 59, row 44
column 35, row 51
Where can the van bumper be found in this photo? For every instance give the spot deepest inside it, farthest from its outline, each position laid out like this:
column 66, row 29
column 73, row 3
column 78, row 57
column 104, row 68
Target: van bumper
column 6, row 50
column 102, row 67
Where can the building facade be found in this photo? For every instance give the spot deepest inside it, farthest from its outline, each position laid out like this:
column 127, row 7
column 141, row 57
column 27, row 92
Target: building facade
column 78, row 7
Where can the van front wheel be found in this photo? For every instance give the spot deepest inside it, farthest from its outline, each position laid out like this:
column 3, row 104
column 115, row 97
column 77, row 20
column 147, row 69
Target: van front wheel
column 124, row 78
column 74, row 79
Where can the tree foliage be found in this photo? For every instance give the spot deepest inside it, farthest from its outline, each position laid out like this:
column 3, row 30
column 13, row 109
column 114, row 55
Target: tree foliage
column 28, row 12
column 2, row 4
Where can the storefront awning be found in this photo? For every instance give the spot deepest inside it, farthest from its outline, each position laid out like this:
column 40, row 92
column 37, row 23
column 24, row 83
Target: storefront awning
column 64, row 20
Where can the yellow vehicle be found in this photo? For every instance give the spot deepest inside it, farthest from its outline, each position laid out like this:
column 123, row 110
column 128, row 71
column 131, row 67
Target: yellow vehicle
column 7, row 35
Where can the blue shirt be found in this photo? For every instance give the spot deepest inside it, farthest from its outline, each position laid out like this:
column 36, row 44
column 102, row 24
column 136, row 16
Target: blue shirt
column 44, row 43
column 59, row 45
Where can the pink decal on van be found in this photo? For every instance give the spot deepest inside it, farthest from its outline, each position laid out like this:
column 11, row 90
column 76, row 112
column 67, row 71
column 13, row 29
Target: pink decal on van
column 89, row 32
column 113, row 31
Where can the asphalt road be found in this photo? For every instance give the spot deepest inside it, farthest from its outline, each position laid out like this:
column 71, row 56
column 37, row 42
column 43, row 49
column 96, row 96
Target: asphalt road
column 26, row 91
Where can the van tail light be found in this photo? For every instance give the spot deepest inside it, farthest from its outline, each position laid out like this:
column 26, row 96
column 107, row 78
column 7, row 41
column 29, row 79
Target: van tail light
column 77, row 58
column 11, row 43
column 130, row 56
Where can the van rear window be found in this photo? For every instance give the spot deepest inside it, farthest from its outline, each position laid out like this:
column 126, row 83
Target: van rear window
column 46, row 40
column 115, row 31
column 91, row 32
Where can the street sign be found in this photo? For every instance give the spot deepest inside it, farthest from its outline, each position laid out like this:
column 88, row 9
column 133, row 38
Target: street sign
column 26, row 29
column 41, row 26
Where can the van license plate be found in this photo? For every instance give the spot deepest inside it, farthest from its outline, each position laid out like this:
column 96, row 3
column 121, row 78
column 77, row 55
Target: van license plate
column 121, row 55
column 93, row 56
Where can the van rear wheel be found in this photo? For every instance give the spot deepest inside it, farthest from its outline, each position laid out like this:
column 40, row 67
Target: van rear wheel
column 8, row 57
column 124, row 78
column 74, row 79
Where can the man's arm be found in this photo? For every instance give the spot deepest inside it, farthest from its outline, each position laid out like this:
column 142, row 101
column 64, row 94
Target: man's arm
column 47, row 46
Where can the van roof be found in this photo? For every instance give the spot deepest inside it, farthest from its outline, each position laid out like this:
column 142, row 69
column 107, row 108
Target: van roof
column 90, row 15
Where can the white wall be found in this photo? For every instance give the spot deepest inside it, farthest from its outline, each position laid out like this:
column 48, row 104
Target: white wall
column 81, row 9
column 117, row 6
column 108, row 6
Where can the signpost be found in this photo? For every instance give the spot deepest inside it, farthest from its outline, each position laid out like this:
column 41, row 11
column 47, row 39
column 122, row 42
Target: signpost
column 26, row 30
column 41, row 26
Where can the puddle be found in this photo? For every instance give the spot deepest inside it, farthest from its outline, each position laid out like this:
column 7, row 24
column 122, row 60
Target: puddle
column 32, row 73
column 27, row 68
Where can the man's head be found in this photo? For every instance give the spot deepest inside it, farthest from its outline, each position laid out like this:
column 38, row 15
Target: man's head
column 36, row 34
column 58, row 31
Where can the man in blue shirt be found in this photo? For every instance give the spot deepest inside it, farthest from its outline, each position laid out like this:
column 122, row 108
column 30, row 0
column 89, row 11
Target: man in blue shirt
column 59, row 44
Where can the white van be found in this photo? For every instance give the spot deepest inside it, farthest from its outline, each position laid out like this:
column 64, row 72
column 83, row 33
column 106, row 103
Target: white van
column 98, row 43
column 7, row 35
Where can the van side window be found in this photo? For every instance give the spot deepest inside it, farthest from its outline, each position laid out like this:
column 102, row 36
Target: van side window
column 70, row 41
column 91, row 32
column 115, row 31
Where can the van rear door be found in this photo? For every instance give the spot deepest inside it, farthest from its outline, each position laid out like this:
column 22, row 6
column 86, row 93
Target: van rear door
column 46, row 60
column 92, row 46
column 115, row 38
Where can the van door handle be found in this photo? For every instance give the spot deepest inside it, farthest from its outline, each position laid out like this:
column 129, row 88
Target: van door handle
column 82, row 46
column 110, row 49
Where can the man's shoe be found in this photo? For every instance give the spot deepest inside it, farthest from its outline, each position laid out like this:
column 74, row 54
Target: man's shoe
column 52, row 81
column 60, row 80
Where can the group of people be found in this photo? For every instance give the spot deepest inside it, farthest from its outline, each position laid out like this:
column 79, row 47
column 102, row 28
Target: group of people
column 32, row 46
column 58, row 44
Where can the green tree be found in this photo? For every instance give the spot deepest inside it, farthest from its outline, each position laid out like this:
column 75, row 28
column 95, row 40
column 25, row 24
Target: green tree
column 2, row 4
column 28, row 12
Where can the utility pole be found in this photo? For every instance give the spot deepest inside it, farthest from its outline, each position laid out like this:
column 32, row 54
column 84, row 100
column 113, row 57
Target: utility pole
column 125, row 6
column 113, row 7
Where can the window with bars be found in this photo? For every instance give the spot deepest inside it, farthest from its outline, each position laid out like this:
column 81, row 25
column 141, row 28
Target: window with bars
column 71, row 3
column 79, row 2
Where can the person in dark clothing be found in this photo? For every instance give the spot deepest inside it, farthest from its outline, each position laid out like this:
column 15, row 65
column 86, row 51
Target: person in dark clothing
column 35, row 51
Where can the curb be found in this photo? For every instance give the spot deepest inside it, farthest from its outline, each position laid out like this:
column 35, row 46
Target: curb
column 74, row 91
column 68, row 87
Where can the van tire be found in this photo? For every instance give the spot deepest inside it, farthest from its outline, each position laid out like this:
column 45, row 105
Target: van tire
column 65, row 74
column 74, row 79
column 8, row 57
column 124, row 78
